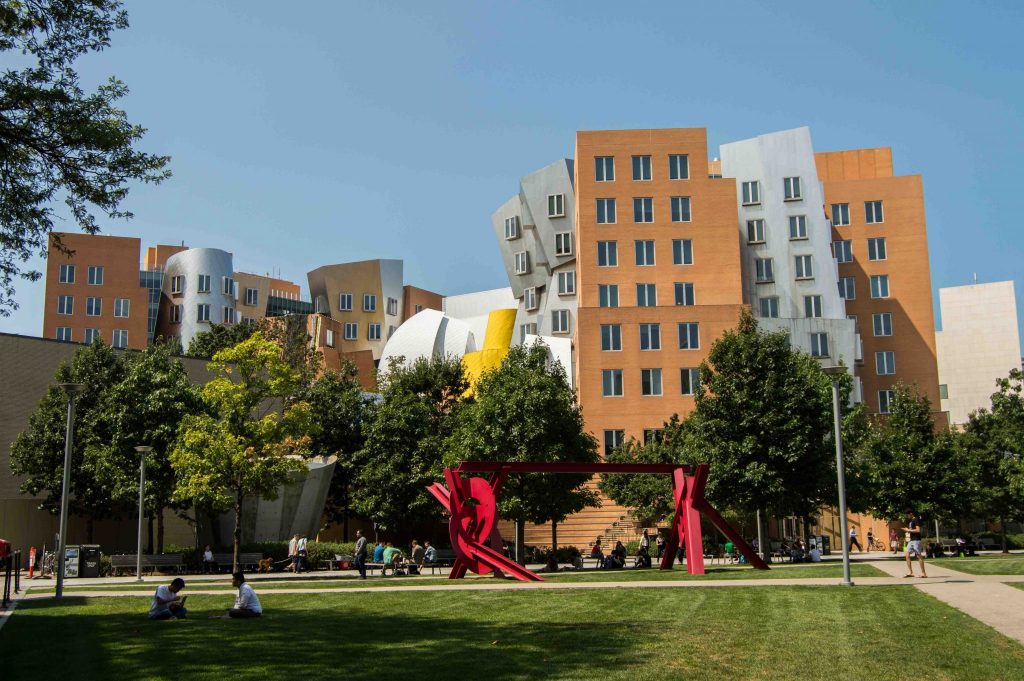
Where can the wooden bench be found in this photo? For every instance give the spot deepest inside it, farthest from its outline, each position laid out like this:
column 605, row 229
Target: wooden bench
column 163, row 561
column 225, row 561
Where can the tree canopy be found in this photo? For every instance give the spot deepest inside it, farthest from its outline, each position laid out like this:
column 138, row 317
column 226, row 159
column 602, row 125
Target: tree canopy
column 57, row 142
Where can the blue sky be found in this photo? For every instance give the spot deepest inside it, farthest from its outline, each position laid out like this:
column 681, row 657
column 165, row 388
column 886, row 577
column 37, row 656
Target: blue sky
column 322, row 132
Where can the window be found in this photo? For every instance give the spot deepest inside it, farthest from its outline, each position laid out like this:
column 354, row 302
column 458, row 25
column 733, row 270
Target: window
column 351, row 330
column 797, row 226
column 678, row 167
column 228, row 286
column 881, row 323
column 607, row 254
column 684, row 293
column 764, row 272
column 64, row 333
column 252, row 296
column 229, row 315
column 682, row 252
column 65, row 305
column 843, row 250
column 559, row 321
column 567, row 283
column 329, row 338
column 812, row 306
column 653, row 435
column 345, row 301
column 556, row 205
column 604, row 168
column 876, row 249
column 751, row 193
column 873, row 212
column 563, row 243
column 204, row 283
column 650, row 382
column 369, row 302
column 178, row 284
column 522, row 262
column 646, row 295
column 769, row 307
column 819, row 344
column 92, row 335
column 611, row 337
column 175, row 314
column 856, row 322
column 530, row 328
column 417, row 309
column 643, row 209
column 641, row 168
column 67, row 276
column 122, row 307
column 203, row 312
column 804, row 268
column 96, row 275
column 755, row 231
column 689, row 336
column 373, row 332
column 880, row 286
column 608, row 295
column 512, row 227
column 885, row 363
column 885, row 400
column 93, row 307
column 943, row 391
column 840, row 214
column 120, row 338
column 847, row 288
column 680, row 208
column 606, row 211
column 644, row 252
column 393, row 306
column 530, row 298
column 611, row 382
column 613, row 439
column 791, row 186
column 689, row 381
column 650, row 336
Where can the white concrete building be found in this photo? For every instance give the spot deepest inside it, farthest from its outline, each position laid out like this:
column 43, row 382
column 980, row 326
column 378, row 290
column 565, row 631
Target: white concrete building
column 978, row 344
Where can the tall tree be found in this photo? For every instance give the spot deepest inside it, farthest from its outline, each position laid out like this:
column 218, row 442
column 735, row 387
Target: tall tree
column 254, row 436
column 206, row 344
column 298, row 350
column 56, row 141
column 404, row 435
column 650, row 496
column 38, row 452
column 525, row 411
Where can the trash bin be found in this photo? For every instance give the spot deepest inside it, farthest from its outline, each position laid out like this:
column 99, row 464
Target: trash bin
column 72, row 558
column 89, row 560
column 824, row 545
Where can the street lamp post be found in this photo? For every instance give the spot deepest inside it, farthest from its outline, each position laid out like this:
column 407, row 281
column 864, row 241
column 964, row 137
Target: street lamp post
column 834, row 373
column 71, row 389
column 142, row 450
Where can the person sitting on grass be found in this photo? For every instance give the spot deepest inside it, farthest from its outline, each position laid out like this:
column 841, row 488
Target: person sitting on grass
column 643, row 558
column 247, row 604
column 166, row 605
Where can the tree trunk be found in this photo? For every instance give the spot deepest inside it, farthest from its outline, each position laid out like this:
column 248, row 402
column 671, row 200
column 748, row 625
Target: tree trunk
column 160, row 531
column 89, row 529
column 344, row 512
column 149, row 533
column 238, row 532
column 554, row 535
column 521, row 541
column 1002, row 534
column 218, row 539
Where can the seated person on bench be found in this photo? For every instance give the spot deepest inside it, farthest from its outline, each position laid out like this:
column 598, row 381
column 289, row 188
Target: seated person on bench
column 247, row 604
column 595, row 550
column 392, row 558
column 166, row 605
column 429, row 553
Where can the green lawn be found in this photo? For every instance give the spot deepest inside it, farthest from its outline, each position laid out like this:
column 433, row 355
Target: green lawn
column 724, row 633
column 1012, row 564
column 712, row 573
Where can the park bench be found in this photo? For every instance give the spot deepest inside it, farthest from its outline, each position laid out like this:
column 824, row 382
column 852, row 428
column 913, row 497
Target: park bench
column 444, row 558
column 339, row 562
column 162, row 561
column 250, row 561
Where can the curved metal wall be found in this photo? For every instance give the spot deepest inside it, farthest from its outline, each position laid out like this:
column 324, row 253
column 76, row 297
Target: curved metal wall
column 190, row 264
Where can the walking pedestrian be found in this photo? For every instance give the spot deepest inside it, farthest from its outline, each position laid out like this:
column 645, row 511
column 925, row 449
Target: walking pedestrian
column 361, row 554
column 913, row 529
column 894, row 541
column 853, row 540
column 871, row 540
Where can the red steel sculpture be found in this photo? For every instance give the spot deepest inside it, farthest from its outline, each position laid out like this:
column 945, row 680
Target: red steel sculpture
column 473, row 505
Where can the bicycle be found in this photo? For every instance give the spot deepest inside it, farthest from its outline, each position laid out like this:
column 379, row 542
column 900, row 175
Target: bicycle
column 877, row 545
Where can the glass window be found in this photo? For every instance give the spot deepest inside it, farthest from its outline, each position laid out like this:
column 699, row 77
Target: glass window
column 791, row 186
column 650, row 382
column 856, row 322
column 613, row 439
column 943, row 391
column 92, row 335
column 646, row 295
column 873, row 212
column 812, row 306
column 530, row 298
column 881, row 323
column 755, row 231
column 329, row 338
column 176, row 314
column 345, row 301
column 769, row 307
column 847, row 288
column 178, row 284
column 611, row 337
column 65, row 304
column 840, row 214
column 522, row 262
column 204, row 283
column 567, row 283
column 93, row 307
column 885, row 400
column 797, row 226
column 120, row 338
column 678, row 167
column 607, row 254
column 641, row 168
column 556, row 205
column 64, row 333
column 530, row 328
column 67, row 274
column 650, row 337
column 689, row 380
column 643, row 209
column 373, row 332
column 876, row 249
column 644, row 252
column 682, row 252
column 680, row 208
column 96, row 275
column 653, row 435
column 689, row 336
column 417, row 309
column 203, row 312
column 684, row 293
column 611, row 382
column 880, row 286
column 122, row 307
column 804, row 268
column 751, row 193
column 512, row 227
column 606, row 211
column 819, row 344
column 228, row 287
column 764, row 270
column 559, row 321
column 843, row 250
column 369, row 302
column 885, row 363
column 604, row 168
column 351, row 330
column 608, row 295
column 563, row 243
column 252, row 296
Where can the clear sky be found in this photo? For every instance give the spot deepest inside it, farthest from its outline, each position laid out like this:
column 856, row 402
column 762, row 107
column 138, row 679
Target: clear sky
column 317, row 132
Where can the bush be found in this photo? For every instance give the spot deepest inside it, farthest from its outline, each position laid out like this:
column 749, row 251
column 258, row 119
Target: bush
column 105, row 567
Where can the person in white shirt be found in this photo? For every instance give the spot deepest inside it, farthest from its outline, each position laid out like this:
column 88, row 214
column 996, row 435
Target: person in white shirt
column 166, row 605
column 300, row 553
column 293, row 552
column 247, row 604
